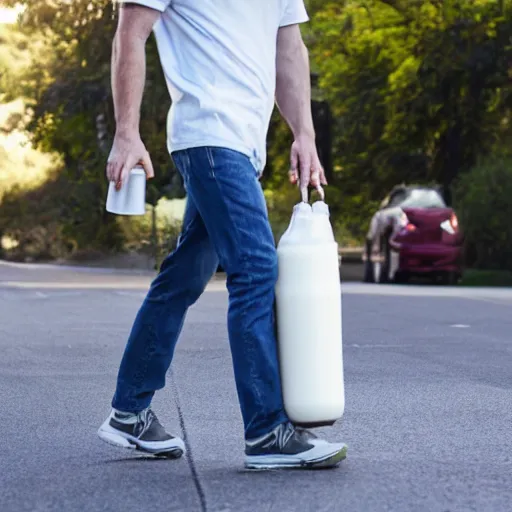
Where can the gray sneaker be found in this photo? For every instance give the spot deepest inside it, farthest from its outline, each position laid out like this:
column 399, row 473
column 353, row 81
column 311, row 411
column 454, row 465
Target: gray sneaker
column 142, row 432
column 289, row 447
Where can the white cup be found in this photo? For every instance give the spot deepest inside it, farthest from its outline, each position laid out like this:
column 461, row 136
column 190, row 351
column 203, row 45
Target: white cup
column 131, row 198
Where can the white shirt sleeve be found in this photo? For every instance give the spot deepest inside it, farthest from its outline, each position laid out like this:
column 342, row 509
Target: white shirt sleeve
column 294, row 12
column 158, row 5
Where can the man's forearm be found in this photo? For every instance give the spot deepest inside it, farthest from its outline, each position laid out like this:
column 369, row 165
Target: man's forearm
column 293, row 87
column 128, row 79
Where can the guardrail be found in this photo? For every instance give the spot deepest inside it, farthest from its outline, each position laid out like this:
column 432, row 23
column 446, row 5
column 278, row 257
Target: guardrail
column 351, row 263
column 351, row 254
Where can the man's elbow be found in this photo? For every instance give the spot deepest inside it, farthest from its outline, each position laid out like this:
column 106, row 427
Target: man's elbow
column 135, row 24
column 125, row 44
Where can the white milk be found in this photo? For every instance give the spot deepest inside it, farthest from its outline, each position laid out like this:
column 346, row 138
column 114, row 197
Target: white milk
column 308, row 304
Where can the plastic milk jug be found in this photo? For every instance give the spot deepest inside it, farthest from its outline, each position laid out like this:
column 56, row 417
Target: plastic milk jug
column 308, row 310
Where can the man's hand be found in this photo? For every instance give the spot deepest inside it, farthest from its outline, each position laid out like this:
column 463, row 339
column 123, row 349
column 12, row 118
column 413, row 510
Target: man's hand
column 128, row 78
column 293, row 96
column 305, row 166
column 127, row 151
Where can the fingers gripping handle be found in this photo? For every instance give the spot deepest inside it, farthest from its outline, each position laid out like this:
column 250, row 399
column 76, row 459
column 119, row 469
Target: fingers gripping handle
column 305, row 195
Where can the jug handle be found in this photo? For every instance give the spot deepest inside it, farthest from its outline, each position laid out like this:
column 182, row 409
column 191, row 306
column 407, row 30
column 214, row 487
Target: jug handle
column 305, row 195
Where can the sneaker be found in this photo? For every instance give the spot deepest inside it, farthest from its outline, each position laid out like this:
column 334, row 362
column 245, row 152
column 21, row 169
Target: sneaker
column 289, row 447
column 142, row 432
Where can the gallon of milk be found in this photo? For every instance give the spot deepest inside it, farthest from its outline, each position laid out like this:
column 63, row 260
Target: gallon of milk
column 308, row 309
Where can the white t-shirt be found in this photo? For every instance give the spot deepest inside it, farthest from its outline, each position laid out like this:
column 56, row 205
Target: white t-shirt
column 219, row 61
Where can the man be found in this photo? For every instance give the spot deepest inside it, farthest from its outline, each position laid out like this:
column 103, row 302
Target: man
column 225, row 61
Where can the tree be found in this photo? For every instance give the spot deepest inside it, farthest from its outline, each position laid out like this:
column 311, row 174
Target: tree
column 68, row 90
column 418, row 90
column 414, row 90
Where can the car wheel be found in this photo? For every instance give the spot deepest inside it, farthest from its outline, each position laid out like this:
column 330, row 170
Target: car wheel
column 369, row 276
column 386, row 257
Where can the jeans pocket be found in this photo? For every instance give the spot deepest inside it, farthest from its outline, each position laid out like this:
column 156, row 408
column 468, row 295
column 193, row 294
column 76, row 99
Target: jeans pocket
column 211, row 161
column 220, row 158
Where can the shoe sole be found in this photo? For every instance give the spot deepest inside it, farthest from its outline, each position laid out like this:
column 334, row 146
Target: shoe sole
column 330, row 461
column 113, row 438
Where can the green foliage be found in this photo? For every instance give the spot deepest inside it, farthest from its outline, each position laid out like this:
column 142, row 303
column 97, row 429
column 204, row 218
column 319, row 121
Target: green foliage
column 497, row 278
column 31, row 218
column 419, row 89
column 67, row 90
column 155, row 233
column 20, row 164
column 51, row 221
column 482, row 200
column 14, row 57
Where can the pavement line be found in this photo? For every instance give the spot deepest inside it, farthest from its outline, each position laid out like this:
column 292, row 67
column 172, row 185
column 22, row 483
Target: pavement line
column 77, row 268
column 214, row 285
column 29, row 285
column 357, row 345
column 502, row 296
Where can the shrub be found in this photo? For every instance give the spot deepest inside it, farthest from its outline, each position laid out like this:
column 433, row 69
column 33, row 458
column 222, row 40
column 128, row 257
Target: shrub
column 483, row 201
column 141, row 236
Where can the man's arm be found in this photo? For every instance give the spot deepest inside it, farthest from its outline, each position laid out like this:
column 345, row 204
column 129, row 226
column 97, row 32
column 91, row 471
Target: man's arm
column 128, row 79
column 293, row 97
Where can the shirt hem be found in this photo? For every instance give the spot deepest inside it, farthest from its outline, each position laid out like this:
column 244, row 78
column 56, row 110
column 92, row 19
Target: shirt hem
column 239, row 148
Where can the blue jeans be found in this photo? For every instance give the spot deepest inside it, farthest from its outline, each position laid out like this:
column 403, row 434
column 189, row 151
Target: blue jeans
column 225, row 220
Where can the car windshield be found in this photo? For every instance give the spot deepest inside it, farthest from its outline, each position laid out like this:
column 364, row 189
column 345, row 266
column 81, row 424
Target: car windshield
column 423, row 198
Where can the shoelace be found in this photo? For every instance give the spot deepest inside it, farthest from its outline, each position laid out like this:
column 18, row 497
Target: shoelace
column 145, row 418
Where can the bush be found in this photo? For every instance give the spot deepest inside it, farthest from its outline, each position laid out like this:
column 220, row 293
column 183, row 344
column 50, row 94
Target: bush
column 483, row 201
column 487, row 278
column 29, row 220
column 59, row 220
column 156, row 241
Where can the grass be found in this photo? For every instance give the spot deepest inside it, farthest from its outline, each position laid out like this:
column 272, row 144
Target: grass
column 493, row 278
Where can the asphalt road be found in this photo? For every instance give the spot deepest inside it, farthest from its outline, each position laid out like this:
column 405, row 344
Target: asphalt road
column 428, row 417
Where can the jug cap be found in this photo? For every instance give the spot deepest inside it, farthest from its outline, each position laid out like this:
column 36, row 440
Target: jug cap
column 320, row 207
column 302, row 208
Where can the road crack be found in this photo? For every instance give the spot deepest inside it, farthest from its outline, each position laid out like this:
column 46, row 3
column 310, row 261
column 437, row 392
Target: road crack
column 191, row 462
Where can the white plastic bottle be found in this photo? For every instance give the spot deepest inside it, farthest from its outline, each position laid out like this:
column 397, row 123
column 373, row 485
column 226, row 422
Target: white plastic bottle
column 309, row 322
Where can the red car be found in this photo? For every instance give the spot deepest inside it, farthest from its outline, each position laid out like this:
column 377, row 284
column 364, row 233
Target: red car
column 413, row 233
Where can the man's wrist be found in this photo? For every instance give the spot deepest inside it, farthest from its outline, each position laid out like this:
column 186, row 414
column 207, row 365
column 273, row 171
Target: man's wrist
column 305, row 133
column 127, row 131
